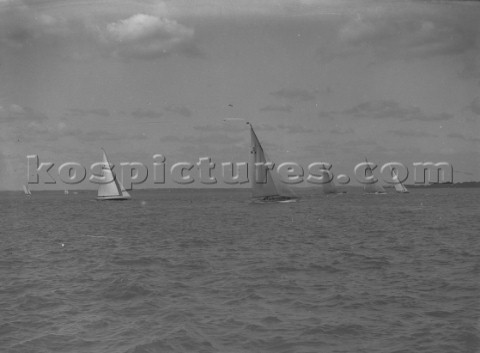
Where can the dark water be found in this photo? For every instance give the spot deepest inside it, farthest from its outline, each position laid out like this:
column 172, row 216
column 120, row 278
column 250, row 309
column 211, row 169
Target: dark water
column 208, row 271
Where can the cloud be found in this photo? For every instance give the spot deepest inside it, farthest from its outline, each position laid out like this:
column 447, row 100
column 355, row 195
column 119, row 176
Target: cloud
column 209, row 139
column 462, row 137
column 173, row 138
column 413, row 30
column 38, row 131
column 142, row 35
column 353, row 147
column 183, row 111
column 85, row 112
column 277, row 108
column 339, row 131
column 146, row 36
column 385, row 109
column 475, row 106
column 296, row 129
column 411, row 133
column 14, row 112
column 150, row 114
column 103, row 135
column 471, row 66
column 21, row 23
column 299, row 95
column 225, row 126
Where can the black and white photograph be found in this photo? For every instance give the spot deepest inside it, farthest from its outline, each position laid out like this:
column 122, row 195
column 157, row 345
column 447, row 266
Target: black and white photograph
column 239, row 176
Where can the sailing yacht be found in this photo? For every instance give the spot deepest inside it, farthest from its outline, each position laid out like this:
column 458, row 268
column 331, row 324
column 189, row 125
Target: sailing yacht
column 112, row 189
column 374, row 188
column 269, row 190
column 26, row 190
column 399, row 187
column 65, row 192
column 330, row 187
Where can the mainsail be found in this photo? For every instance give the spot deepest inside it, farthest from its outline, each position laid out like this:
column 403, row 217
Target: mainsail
column 328, row 187
column 265, row 186
column 399, row 187
column 374, row 188
column 26, row 190
column 111, row 188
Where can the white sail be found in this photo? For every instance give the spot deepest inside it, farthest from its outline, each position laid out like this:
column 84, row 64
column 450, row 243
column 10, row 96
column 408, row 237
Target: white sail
column 122, row 189
column 265, row 186
column 399, row 187
column 65, row 192
column 26, row 190
column 111, row 188
column 330, row 187
column 374, row 188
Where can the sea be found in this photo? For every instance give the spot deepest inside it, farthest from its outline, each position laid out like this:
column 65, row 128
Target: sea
column 207, row 271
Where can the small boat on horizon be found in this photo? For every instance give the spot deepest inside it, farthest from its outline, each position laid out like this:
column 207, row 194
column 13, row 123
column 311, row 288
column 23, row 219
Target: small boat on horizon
column 399, row 187
column 26, row 190
column 374, row 188
column 330, row 187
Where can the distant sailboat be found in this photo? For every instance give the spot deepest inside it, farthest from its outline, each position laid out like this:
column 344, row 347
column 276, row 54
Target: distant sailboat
column 65, row 192
column 26, row 190
column 330, row 187
column 267, row 190
column 113, row 188
column 374, row 188
column 399, row 187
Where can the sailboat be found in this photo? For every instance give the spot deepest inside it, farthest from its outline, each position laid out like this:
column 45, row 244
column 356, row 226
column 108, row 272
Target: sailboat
column 330, row 187
column 374, row 188
column 65, row 192
column 26, row 190
column 269, row 190
column 113, row 188
column 399, row 187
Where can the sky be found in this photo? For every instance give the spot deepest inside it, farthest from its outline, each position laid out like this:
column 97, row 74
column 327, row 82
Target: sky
column 325, row 80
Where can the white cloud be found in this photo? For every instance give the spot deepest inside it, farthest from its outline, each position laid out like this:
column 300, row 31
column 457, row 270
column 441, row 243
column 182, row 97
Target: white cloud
column 146, row 36
column 134, row 28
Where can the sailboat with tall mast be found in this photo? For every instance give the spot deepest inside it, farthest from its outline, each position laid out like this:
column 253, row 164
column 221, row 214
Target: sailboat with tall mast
column 112, row 188
column 329, row 187
column 399, row 187
column 26, row 190
column 374, row 188
column 265, row 186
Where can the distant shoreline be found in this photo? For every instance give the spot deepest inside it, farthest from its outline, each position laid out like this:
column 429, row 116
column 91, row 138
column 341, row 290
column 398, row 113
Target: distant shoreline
column 466, row 184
